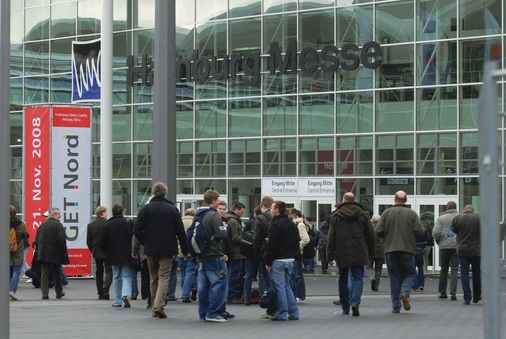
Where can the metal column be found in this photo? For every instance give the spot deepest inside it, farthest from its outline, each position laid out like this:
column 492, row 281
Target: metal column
column 164, row 115
column 489, row 200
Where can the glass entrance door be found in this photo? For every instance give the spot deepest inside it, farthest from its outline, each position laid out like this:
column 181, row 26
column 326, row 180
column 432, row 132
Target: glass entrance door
column 429, row 208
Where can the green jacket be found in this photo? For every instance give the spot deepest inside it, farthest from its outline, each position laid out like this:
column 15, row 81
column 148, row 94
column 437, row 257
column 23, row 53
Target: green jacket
column 400, row 227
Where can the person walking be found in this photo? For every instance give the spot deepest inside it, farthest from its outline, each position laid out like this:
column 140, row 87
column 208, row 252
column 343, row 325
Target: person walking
column 159, row 228
column 212, row 276
column 94, row 231
column 236, row 264
column 116, row 242
column 467, row 227
column 377, row 260
column 17, row 257
column 400, row 227
column 350, row 244
column 447, row 241
column 282, row 248
column 51, row 245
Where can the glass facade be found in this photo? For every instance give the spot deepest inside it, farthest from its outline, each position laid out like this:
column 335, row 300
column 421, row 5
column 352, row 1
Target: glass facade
column 413, row 118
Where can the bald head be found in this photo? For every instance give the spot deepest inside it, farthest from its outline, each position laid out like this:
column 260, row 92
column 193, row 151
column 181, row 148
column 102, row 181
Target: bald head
column 400, row 197
column 348, row 197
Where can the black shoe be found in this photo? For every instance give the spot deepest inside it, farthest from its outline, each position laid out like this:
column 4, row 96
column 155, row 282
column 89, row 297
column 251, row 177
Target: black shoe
column 171, row 299
column 227, row 315
column 235, row 302
column 324, row 271
column 345, row 312
column 354, row 310
column 373, row 285
column 476, row 300
column 443, row 296
column 454, row 297
column 247, row 303
column 186, row 300
column 134, row 296
column 467, row 302
column 101, row 297
column 337, row 302
column 105, row 295
column 194, row 295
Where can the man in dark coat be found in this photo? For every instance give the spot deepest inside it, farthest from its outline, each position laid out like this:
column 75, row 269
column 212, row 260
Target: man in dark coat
column 350, row 243
column 94, row 232
column 51, row 245
column 116, row 242
column 467, row 228
column 159, row 228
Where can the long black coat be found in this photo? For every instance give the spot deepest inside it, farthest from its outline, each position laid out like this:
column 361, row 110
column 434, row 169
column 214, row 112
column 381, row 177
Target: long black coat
column 94, row 231
column 159, row 227
column 116, row 240
column 51, row 242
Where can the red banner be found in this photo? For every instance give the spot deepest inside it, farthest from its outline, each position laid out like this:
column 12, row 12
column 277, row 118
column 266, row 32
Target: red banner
column 37, row 169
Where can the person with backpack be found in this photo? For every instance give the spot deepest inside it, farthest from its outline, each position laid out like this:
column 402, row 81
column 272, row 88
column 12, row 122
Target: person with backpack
column 298, row 283
column 212, row 276
column 159, row 228
column 252, row 260
column 237, row 262
column 310, row 249
column 17, row 238
column 321, row 241
column 260, row 240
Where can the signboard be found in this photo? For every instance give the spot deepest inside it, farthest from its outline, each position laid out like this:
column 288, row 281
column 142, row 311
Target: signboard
column 86, row 83
column 58, row 174
column 281, row 187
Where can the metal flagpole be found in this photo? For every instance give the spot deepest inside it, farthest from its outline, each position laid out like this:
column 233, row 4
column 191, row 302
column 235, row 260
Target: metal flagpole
column 5, row 157
column 164, row 115
column 489, row 200
column 106, row 105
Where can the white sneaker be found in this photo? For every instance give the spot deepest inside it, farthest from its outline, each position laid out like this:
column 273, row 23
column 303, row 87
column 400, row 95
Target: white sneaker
column 266, row 316
column 13, row 296
column 29, row 280
column 24, row 276
column 301, row 301
column 218, row 319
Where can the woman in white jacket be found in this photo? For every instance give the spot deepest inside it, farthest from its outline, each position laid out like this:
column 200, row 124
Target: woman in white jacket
column 298, row 284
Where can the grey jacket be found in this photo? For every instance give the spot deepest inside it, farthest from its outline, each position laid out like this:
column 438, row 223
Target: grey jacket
column 442, row 233
column 400, row 227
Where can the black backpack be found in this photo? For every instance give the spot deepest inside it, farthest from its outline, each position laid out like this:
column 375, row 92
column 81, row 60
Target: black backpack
column 309, row 252
column 246, row 248
column 197, row 239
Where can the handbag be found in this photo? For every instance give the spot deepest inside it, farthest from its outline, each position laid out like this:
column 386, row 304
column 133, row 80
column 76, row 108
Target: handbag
column 268, row 299
column 136, row 264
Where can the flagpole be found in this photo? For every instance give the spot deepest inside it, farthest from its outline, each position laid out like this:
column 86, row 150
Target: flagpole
column 4, row 159
column 106, row 105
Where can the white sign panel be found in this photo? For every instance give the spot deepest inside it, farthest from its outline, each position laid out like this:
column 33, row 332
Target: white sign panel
column 279, row 187
column 317, row 187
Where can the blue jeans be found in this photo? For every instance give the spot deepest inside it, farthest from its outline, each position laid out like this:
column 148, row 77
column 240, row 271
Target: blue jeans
column 190, row 278
column 280, row 281
column 64, row 278
column 297, row 280
column 419, row 278
column 25, row 267
column 308, row 264
column 251, row 272
column 351, row 285
column 15, row 273
column 475, row 263
column 402, row 272
column 181, row 263
column 234, row 276
column 212, row 287
column 122, row 280
column 135, row 285
column 171, row 293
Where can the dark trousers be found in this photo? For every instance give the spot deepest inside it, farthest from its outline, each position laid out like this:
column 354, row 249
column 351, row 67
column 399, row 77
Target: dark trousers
column 145, row 292
column 46, row 268
column 449, row 259
column 101, row 267
column 475, row 263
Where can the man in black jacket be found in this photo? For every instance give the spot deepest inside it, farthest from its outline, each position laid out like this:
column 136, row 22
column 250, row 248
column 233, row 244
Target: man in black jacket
column 116, row 242
column 93, row 234
column 350, row 243
column 51, row 245
column 282, row 247
column 159, row 228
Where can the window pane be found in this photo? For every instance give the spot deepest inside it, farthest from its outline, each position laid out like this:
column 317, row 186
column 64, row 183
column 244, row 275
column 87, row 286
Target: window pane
column 185, row 12
column 468, row 153
column 394, row 21
column 480, row 20
column 280, row 116
column 354, row 24
column 314, row 30
column 395, row 116
column 184, row 120
column 316, row 114
column 239, row 29
column 309, row 4
column 211, row 9
column 437, row 19
column 61, row 56
column 437, row 108
column 238, row 8
column 280, row 29
column 437, row 63
column 17, row 26
column 274, row 6
column 37, row 58
column 143, row 160
column 121, row 160
column 89, row 15
column 210, row 119
column 354, row 112
column 37, row 27
column 36, row 90
column 145, row 11
column 121, row 123
column 143, row 122
column 185, row 159
column 63, row 20
column 60, row 88
column 122, row 195
column 244, row 118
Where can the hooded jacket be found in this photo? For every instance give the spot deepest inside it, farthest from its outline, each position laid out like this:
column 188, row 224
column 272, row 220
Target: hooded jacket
column 351, row 236
column 16, row 258
column 216, row 230
column 442, row 233
column 235, row 228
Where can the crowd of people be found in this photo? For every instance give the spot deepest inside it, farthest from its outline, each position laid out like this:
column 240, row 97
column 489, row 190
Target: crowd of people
column 219, row 256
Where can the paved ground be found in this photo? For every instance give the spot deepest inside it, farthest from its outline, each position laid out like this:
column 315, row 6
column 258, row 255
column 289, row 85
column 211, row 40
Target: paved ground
column 80, row 315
